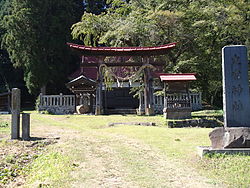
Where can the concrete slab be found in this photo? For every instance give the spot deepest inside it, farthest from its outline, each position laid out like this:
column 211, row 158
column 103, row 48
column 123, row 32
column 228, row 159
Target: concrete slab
column 203, row 150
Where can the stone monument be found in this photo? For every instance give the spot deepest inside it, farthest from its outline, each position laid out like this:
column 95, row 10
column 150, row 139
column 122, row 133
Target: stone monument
column 236, row 101
column 15, row 110
column 15, row 117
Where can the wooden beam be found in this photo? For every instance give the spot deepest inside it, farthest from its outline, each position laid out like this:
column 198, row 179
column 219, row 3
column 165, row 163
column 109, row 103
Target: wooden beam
column 120, row 64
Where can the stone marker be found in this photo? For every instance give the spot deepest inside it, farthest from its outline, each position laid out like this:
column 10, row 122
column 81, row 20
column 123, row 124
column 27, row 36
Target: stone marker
column 25, row 126
column 236, row 101
column 15, row 110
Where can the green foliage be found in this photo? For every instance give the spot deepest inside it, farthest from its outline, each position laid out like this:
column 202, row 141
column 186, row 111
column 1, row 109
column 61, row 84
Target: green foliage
column 89, row 29
column 201, row 29
column 35, row 37
column 94, row 6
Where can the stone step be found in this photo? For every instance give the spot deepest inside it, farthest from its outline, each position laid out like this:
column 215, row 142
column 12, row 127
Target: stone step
column 121, row 111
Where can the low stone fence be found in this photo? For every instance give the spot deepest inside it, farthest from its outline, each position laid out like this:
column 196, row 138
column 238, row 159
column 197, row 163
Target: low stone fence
column 57, row 104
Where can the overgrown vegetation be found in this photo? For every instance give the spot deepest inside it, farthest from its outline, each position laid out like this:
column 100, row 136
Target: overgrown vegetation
column 16, row 158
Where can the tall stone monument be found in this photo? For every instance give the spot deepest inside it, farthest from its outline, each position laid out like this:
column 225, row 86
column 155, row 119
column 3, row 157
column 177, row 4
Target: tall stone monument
column 236, row 101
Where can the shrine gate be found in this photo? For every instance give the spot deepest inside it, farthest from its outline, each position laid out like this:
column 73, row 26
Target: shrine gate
column 139, row 59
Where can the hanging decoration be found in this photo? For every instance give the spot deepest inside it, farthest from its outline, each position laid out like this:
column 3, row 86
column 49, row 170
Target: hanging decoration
column 134, row 76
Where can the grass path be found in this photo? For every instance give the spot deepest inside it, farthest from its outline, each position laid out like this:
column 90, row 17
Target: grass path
column 109, row 157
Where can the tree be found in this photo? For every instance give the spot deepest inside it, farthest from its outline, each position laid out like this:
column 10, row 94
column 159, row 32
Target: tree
column 94, row 6
column 212, row 25
column 6, row 67
column 201, row 29
column 35, row 38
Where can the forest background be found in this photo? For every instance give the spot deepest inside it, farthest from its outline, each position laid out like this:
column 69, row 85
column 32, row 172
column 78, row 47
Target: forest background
column 33, row 36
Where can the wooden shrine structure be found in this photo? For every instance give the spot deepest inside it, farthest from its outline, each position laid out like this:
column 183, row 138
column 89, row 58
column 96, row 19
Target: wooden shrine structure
column 84, row 88
column 95, row 58
column 177, row 101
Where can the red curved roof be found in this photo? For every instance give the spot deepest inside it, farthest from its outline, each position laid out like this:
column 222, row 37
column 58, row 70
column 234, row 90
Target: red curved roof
column 122, row 51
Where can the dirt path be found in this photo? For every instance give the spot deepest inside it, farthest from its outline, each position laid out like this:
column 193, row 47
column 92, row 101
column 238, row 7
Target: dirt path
column 117, row 161
column 111, row 160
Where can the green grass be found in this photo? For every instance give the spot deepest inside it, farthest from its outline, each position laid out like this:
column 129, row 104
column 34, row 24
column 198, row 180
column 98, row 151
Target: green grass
column 233, row 170
column 4, row 124
column 173, row 142
column 51, row 168
column 97, row 143
column 209, row 113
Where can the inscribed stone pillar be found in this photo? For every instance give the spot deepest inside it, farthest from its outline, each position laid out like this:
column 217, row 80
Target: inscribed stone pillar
column 15, row 110
column 236, row 99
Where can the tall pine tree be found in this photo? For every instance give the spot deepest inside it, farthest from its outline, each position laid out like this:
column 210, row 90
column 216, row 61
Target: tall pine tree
column 36, row 36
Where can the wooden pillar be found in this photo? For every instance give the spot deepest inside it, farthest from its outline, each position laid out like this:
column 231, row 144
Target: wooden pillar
column 148, row 90
column 91, row 103
column 99, row 97
column 15, row 110
column 165, row 103
column 140, row 110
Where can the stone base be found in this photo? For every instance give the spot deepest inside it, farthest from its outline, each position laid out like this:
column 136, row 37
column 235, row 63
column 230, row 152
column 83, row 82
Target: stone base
column 204, row 150
column 202, row 122
column 230, row 137
column 58, row 110
column 82, row 109
column 177, row 113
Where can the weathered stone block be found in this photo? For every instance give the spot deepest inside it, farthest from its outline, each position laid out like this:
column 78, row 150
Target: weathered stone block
column 177, row 113
column 82, row 109
column 236, row 137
